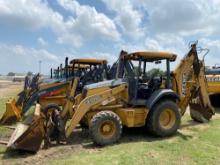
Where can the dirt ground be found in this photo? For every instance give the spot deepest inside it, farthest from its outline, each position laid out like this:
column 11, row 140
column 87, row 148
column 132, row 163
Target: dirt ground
column 80, row 139
column 9, row 88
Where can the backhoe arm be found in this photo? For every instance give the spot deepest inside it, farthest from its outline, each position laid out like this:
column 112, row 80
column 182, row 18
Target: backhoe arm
column 190, row 83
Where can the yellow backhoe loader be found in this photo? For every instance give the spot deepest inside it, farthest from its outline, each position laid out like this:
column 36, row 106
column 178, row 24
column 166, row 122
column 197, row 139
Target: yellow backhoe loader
column 133, row 99
column 46, row 90
column 71, row 78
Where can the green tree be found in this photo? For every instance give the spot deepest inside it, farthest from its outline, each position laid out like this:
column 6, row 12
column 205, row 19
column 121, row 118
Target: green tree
column 156, row 72
column 30, row 73
column 11, row 74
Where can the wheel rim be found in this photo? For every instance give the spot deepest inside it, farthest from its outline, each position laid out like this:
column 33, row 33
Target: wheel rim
column 107, row 129
column 167, row 119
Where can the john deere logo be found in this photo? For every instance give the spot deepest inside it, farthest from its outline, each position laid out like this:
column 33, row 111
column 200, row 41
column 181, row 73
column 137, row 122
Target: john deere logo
column 92, row 100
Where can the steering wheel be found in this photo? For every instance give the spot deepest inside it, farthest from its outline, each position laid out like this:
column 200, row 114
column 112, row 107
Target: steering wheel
column 151, row 82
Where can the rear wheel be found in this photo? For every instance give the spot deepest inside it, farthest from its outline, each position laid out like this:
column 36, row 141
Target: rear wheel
column 105, row 128
column 164, row 119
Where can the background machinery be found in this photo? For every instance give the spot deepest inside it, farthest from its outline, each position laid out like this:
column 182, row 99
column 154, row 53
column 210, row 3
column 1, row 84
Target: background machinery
column 213, row 79
column 65, row 82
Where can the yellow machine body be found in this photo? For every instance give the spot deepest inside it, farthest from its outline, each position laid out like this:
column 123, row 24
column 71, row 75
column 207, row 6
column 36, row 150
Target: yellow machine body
column 12, row 113
column 213, row 84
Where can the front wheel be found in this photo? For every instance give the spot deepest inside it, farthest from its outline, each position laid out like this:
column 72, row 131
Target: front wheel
column 105, row 128
column 164, row 119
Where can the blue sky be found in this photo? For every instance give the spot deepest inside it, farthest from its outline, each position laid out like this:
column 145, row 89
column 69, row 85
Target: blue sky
column 50, row 30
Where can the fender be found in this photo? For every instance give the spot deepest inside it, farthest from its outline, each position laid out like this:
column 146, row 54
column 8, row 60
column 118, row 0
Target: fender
column 161, row 94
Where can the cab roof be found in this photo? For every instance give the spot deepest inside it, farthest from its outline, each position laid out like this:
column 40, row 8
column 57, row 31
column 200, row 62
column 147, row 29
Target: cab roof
column 70, row 66
column 80, row 66
column 89, row 61
column 151, row 56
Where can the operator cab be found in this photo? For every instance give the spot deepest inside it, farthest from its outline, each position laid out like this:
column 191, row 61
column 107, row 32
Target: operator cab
column 95, row 71
column 144, row 74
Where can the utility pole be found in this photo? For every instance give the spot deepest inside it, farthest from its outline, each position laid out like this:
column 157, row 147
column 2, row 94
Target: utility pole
column 40, row 66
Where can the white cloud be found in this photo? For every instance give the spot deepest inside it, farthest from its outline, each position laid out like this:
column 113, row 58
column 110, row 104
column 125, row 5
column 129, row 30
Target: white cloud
column 126, row 17
column 187, row 17
column 42, row 41
column 87, row 23
column 163, row 42
column 174, row 17
column 104, row 55
column 29, row 15
column 18, row 58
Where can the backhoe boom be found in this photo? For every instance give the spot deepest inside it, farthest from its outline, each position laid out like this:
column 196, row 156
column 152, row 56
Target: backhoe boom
column 190, row 84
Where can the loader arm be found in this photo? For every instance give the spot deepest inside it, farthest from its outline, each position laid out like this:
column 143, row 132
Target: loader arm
column 89, row 102
column 189, row 82
column 14, row 106
column 69, row 104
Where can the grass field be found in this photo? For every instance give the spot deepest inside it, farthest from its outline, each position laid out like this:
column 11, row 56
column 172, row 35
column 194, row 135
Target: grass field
column 193, row 144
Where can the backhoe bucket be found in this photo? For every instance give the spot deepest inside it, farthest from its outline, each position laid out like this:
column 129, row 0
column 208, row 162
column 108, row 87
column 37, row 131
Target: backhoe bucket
column 199, row 112
column 29, row 134
column 12, row 113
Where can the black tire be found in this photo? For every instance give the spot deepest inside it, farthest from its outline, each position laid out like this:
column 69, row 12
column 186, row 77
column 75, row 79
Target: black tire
column 154, row 120
column 55, row 130
column 98, row 122
column 51, row 106
column 83, row 124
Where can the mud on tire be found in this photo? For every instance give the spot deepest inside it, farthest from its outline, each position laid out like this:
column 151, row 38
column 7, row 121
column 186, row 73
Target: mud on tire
column 105, row 128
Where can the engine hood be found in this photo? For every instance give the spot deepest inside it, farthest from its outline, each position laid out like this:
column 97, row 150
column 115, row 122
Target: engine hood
column 109, row 83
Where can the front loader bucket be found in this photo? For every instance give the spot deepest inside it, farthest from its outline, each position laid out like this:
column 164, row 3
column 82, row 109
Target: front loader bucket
column 12, row 113
column 29, row 134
